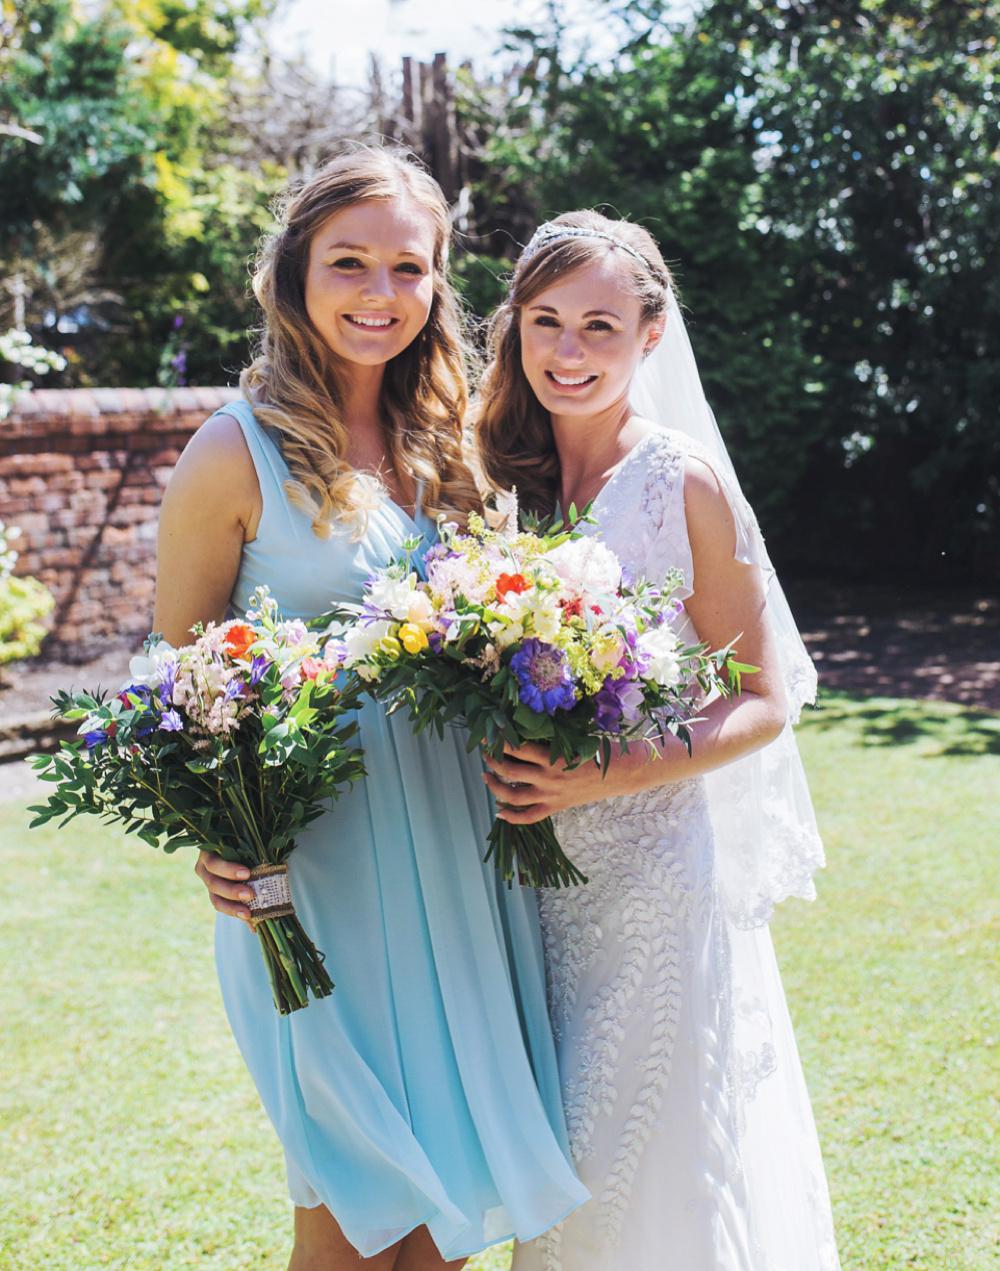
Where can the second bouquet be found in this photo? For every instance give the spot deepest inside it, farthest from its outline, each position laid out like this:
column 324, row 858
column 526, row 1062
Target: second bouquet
column 531, row 637
column 235, row 743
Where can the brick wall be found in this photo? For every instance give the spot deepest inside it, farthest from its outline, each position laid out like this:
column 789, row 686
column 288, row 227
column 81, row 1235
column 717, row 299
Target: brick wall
column 82, row 472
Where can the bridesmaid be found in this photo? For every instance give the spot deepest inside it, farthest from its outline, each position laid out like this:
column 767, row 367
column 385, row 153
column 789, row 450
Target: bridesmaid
column 688, row 1117
column 418, row 1105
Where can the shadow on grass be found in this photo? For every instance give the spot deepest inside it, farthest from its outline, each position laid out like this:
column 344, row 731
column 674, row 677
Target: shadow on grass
column 879, row 721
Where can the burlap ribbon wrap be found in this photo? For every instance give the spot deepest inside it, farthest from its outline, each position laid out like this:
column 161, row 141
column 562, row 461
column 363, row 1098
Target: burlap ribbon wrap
column 271, row 896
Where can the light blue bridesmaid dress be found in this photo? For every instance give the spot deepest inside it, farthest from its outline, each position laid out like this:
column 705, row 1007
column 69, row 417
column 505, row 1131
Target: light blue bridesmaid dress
column 424, row 1089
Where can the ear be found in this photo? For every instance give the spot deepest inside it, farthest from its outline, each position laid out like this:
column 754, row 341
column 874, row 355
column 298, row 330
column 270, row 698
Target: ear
column 654, row 335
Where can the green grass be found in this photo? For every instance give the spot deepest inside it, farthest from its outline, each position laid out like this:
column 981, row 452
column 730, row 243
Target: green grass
column 131, row 1137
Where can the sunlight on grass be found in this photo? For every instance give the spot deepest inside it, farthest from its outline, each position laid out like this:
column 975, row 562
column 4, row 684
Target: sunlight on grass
column 131, row 1136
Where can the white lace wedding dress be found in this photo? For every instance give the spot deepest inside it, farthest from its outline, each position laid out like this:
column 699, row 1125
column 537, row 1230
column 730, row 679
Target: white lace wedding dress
column 688, row 1116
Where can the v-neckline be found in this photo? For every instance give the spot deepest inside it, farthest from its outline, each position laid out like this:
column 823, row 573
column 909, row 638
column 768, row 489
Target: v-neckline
column 615, row 471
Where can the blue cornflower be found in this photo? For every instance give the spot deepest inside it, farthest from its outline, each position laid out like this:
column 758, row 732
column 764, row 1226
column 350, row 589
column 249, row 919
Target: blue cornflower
column 544, row 677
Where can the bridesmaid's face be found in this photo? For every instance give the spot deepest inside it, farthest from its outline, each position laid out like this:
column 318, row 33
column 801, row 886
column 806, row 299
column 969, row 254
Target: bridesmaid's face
column 370, row 279
column 582, row 338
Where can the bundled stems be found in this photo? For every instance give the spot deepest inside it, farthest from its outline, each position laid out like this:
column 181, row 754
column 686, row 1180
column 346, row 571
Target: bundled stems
column 531, row 854
column 294, row 964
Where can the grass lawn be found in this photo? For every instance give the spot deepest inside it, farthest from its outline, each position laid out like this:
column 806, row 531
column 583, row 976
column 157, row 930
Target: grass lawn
column 131, row 1137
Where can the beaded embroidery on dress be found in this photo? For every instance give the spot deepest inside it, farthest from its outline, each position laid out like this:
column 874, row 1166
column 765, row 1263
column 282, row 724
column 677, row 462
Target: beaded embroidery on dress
column 688, row 1117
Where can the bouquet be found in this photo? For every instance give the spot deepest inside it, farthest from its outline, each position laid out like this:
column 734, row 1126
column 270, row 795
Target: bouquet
column 531, row 636
column 232, row 743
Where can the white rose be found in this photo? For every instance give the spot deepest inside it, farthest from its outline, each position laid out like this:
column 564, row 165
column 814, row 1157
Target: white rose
column 586, row 564
column 661, row 646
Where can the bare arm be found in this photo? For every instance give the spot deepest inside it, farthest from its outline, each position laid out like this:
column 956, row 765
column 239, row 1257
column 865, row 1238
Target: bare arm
column 727, row 607
column 210, row 508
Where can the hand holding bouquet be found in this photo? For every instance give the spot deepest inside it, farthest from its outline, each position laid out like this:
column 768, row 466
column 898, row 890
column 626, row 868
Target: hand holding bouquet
column 532, row 637
column 232, row 743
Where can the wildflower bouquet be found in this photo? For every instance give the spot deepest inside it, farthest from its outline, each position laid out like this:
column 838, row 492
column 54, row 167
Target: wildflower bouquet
column 232, row 743
column 531, row 637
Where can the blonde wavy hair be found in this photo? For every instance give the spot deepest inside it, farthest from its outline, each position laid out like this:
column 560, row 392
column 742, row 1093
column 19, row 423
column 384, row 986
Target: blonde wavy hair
column 296, row 383
column 513, row 432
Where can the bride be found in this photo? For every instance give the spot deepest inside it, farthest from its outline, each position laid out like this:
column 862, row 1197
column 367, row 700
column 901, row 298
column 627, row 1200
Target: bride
column 688, row 1115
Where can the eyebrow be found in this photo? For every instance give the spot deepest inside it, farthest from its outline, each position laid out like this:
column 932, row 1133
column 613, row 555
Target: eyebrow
column 363, row 249
column 591, row 313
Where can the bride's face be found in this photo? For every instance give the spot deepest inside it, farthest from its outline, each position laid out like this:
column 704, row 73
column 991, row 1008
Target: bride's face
column 582, row 338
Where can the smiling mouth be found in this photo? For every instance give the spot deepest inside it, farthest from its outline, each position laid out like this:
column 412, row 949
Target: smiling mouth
column 570, row 381
column 370, row 323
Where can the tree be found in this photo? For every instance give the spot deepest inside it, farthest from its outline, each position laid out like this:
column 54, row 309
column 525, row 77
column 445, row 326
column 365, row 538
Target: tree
column 825, row 174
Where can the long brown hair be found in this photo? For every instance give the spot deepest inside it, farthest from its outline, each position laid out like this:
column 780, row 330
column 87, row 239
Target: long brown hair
column 296, row 383
column 514, row 441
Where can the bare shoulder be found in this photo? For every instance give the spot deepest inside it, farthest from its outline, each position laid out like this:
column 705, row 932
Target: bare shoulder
column 216, row 473
column 706, row 506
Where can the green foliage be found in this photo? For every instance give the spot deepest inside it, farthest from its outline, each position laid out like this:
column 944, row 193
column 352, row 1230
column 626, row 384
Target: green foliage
column 878, row 160
column 84, row 127
column 127, row 199
column 825, row 178
column 23, row 603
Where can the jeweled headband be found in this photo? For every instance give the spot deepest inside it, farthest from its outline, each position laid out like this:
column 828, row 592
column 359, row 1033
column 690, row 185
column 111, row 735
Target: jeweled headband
column 550, row 232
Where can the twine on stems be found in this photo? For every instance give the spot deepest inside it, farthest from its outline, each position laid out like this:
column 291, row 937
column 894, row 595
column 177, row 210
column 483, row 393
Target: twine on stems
column 271, row 896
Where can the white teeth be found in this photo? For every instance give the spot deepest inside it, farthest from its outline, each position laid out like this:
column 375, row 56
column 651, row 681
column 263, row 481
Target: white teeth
column 370, row 322
column 570, row 380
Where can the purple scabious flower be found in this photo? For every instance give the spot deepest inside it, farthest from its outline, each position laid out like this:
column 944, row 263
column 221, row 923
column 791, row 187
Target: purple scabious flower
column 544, row 677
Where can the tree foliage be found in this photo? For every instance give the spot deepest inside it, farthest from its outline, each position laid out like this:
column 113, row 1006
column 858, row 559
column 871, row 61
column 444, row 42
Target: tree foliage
column 825, row 176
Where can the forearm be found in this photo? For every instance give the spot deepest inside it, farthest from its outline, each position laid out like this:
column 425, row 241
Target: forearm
column 726, row 730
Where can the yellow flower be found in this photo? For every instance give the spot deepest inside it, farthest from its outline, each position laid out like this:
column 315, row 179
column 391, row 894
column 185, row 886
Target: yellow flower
column 390, row 647
column 413, row 639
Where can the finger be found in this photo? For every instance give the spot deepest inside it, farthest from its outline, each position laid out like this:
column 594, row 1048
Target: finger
column 231, row 909
column 529, row 752
column 227, row 897
column 219, row 867
column 510, row 795
column 523, row 816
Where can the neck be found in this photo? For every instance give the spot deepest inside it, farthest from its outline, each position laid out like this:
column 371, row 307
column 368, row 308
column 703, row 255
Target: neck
column 362, row 401
column 590, row 447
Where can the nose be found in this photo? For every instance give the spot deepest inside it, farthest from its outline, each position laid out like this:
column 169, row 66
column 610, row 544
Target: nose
column 568, row 346
column 378, row 283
